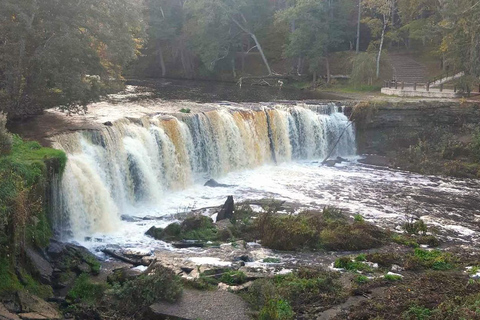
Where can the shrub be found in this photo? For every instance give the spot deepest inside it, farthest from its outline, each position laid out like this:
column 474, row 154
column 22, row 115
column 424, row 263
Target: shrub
column 86, row 291
column 233, row 278
column 358, row 218
column 417, row 313
column 185, row 110
column 271, row 260
column 141, row 292
column 392, row 277
column 276, row 309
column 5, row 136
column 413, row 226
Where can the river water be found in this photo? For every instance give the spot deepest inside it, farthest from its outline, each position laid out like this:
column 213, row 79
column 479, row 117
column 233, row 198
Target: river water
column 146, row 168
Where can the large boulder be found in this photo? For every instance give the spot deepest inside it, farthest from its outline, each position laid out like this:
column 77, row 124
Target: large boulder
column 39, row 266
column 7, row 315
column 214, row 184
column 32, row 306
column 227, row 210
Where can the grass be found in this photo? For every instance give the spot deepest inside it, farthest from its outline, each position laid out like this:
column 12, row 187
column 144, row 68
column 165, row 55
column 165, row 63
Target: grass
column 185, row 110
column 196, row 227
column 434, row 259
column 361, row 279
column 351, row 265
column 271, row 260
column 276, row 309
column 299, row 289
column 416, row 312
column 392, row 277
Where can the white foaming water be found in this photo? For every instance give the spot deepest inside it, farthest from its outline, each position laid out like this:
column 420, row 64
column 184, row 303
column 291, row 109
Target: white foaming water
column 140, row 167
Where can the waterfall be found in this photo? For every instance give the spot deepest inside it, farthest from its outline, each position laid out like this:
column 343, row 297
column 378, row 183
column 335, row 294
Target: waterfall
column 135, row 162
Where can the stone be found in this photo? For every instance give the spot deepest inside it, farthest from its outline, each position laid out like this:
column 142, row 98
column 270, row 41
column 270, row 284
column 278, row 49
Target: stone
column 83, row 268
column 244, row 258
column 227, row 210
column 55, row 249
column 40, row 266
column 214, row 184
column 108, row 123
column 123, row 274
column 329, row 163
column 188, row 244
column 396, row 268
column 31, row 304
column 187, row 270
column 7, row 315
column 340, row 160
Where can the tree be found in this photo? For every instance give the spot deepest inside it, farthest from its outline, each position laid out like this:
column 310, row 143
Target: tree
column 381, row 14
column 215, row 27
column 63, row 52
column 320, row 29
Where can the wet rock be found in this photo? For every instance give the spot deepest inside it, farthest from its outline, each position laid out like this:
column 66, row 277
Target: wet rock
column 187, row 270
column 329, row 163
column 227, row 210
column 40, row 266
column 244, row 258
column 83, row 268
column 55, row 249
column 396, row 268
column 340, row 160
column 188, row 244
column 108, row 123
column 32, row 307
column 214, row 184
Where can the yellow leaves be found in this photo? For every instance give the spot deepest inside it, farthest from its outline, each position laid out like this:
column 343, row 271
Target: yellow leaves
column 14, row 17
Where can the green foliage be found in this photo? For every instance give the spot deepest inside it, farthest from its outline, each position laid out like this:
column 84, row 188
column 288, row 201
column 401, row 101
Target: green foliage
column 413, row 226
column 358, row 218
column 328, row 229
column 299, row 289
column 475, row 146
column 350, row 265
column 276, row 309
column 183, row 110
column 361, row 279
column 196, row 227
column 434, row 259
column 144, row 290
column 417, row 313
column 8, row 280
column 86, row 291
column 361, row 257
column 233, row 278
column 5, row 137
column 392, row 277
column 34, row 287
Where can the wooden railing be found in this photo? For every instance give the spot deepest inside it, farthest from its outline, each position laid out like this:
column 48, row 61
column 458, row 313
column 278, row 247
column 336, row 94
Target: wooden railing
column 424, row 86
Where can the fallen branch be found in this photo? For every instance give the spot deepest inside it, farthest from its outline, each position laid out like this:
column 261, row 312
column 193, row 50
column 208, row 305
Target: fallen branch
column 117, row 256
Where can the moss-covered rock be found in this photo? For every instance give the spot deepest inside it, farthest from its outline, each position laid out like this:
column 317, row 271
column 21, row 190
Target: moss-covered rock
column 196, row 227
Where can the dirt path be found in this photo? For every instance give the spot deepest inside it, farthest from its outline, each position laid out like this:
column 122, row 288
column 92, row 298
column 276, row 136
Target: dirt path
column 204, row 305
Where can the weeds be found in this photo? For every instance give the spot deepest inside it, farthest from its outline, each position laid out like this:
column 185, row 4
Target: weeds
column 392, row 277
column 86, row 291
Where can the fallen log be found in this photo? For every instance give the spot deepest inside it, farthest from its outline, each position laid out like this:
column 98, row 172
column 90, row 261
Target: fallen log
column 120, row 257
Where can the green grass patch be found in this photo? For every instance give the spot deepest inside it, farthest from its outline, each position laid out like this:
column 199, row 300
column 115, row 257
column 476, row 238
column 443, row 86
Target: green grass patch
column 348, row 264
column 197, row 227
column 433, row 259
column 416, row 312
column 185, row 110
column 8, row 280
column 358, row 218
column 276, row 309
column 392, row 277
column 361, row 279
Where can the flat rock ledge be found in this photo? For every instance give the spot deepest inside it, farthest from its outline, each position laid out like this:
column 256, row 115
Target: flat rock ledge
column 205, row 305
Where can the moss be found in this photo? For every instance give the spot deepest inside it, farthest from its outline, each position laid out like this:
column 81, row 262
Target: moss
column 36, row 288
column 271, row 260
column 8, row 280
column 361, row 279
column 196, row 227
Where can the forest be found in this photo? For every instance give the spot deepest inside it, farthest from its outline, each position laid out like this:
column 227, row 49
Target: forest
column 69, row 53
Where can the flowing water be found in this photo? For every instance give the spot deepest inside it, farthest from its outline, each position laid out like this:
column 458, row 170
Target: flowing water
column 156, row 166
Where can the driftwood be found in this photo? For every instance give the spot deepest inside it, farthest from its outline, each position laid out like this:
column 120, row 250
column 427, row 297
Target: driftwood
column 259, row 80
column 120, row 257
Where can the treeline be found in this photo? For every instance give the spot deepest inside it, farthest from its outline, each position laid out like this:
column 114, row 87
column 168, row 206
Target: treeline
column 70, row 52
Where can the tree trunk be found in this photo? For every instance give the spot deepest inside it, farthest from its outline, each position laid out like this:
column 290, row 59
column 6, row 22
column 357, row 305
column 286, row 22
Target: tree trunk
column 161, row 60
column 262, row 53
column 314, row 81
column 234, row 70
column 381, row 45
column 357, row 50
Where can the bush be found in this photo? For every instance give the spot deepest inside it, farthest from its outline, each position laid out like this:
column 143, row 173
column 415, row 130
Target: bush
column 347, row 264
column 417, row 313
column 5, row 136
column 141, row 292
column 185, row 110
column 392, row 277
column 233, row 278
column 361, row 279
column 86, row 291
column 276, row 309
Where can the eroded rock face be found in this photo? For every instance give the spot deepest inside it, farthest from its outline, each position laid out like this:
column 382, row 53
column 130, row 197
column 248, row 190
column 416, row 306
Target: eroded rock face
column 35, row 308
